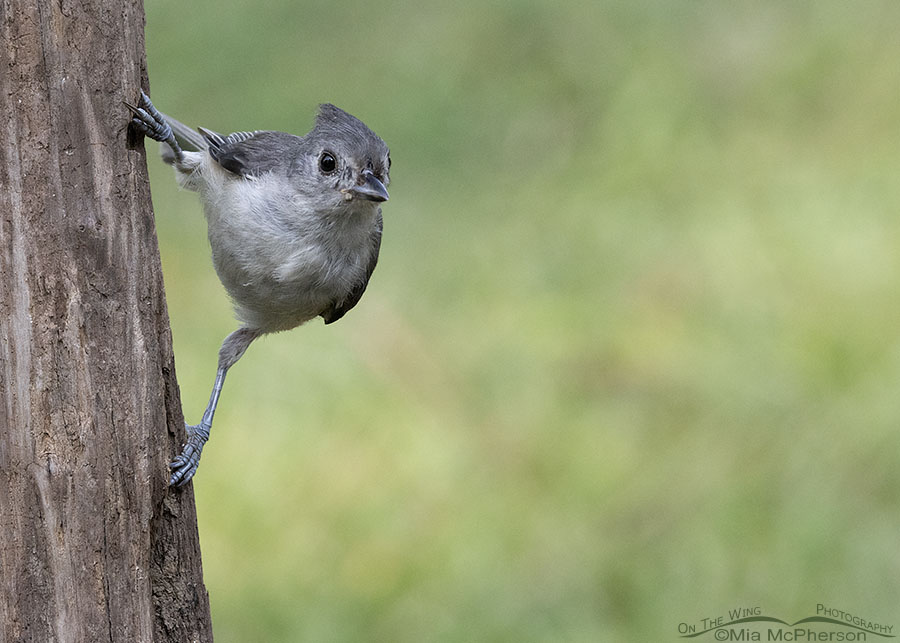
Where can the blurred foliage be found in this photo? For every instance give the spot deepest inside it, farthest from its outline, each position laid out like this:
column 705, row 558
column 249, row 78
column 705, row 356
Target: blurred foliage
column 631, row 354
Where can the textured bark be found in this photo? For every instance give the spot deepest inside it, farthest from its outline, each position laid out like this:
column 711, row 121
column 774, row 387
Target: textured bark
column 93, row 544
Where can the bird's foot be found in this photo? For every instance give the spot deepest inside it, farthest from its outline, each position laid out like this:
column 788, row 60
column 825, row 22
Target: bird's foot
column 147, row 121
column 185, row 465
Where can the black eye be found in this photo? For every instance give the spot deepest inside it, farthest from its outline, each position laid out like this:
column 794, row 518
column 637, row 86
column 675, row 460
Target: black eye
column 389, row 161
column 327, row 163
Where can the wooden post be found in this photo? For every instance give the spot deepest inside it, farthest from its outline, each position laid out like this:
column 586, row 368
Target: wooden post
column 94, row 546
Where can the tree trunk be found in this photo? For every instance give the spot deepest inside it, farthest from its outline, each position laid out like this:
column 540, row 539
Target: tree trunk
column 94, row 546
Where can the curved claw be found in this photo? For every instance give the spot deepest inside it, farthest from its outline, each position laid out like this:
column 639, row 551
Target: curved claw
column 183, row 475
column 148, row 121
column 185, row 464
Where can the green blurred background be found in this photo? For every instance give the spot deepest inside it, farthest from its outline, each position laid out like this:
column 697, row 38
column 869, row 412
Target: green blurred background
column 631, row 356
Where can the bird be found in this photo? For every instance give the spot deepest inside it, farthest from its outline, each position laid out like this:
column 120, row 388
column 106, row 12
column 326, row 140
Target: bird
column 294, row 225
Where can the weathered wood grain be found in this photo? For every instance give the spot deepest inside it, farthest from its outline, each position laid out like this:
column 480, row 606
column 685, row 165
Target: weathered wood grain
column 93, row 544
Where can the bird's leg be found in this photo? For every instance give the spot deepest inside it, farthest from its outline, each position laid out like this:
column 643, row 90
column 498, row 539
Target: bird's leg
column 185, row 465
column 147, row 120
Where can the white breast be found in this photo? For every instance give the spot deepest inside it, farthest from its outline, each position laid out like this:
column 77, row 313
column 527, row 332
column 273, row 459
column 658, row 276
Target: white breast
column 281, row 262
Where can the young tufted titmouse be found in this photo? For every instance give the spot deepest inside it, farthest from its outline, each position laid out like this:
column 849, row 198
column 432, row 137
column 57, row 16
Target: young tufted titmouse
column 294, row 225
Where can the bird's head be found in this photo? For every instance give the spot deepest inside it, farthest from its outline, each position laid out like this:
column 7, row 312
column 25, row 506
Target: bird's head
column 349, row 164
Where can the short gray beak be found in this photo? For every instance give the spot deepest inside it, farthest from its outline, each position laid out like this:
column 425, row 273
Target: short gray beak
column 372, row 189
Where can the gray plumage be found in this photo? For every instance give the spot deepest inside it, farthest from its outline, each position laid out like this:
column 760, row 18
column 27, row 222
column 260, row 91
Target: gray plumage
column 286, row 242
column 294, row 223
